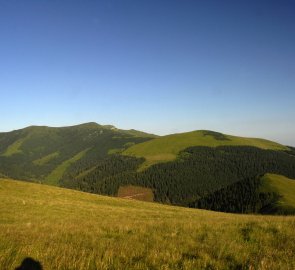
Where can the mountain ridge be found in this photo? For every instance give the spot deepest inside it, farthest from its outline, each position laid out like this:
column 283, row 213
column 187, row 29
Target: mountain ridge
column 81, row 125
column 166, row 148
column 179, row 169
column 21, row 150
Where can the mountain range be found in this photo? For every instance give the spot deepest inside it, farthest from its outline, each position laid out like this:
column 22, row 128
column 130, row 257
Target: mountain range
column 203, row 169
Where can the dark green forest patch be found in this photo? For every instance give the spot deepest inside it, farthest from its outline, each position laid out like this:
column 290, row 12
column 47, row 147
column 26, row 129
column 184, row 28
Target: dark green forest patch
column 198, row 173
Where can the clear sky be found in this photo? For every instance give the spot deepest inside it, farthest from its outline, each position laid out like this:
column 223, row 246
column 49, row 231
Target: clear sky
column 157, row 66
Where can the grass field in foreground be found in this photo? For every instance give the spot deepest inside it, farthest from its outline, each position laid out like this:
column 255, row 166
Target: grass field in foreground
column 66, row 229
column 166, row 148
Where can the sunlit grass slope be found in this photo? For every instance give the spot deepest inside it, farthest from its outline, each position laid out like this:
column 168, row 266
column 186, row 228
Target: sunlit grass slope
column 15, row 147
column 57, row 173
column 66, row 229
column 45, row 159
column 166, row 148
column 285, row 187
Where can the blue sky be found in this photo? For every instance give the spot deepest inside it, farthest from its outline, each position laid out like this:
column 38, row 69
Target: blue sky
column 157, row 66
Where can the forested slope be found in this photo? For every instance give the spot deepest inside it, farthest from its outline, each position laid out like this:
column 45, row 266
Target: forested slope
column 198, row 172
column 101, row 159
column 45, row 153
column 268, row 194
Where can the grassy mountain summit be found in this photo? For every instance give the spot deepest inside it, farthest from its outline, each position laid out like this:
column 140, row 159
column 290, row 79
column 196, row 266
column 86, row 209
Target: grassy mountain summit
column 44, row 153
column 166, row 148
column 67, row 229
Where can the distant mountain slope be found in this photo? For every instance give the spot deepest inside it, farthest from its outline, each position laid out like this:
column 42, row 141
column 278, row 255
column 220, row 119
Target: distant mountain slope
column 66, row 229
column 167, row 148
column 285, row 188
column 269, row 194
column 197, row 173
column 44, row 153
column 178, row 169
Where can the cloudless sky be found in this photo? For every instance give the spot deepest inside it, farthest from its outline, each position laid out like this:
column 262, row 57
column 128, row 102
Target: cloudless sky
column 158, row 66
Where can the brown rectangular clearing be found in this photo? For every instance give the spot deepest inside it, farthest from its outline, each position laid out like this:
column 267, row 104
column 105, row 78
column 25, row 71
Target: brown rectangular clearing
column 136, row 193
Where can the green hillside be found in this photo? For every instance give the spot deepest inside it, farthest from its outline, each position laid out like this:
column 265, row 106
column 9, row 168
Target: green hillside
column 58, row 172
column 167, row 148
column 102, row 159
column 45, row 153
column 199, row 172
column 66, row 229
column 267, row 194
column 283, row 186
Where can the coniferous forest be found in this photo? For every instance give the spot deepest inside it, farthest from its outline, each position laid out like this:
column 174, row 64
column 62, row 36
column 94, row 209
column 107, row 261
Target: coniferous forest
column 225, row 178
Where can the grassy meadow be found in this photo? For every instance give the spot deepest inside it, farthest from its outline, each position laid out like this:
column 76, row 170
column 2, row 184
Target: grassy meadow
column 166, row 148
column 283, row 186
column 67, row 229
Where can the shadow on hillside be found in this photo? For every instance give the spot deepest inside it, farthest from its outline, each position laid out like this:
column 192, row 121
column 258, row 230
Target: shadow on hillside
column 29, row 264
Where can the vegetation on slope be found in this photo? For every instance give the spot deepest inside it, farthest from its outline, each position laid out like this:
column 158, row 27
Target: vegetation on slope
column 285, row 188
column 167, row 148
column 58, row 172
column 65, row 229
column 43, row 153
column 105, row 178
column 14, row 148
column 270, row 194
column 197, row 173
column 43, row 160
column 88, row 157
column 244, row 196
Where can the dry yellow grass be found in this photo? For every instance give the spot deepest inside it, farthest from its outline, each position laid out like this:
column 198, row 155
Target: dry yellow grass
column 66, row 229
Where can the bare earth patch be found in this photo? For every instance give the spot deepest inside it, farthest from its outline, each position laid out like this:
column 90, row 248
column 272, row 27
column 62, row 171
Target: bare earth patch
column 136, row 193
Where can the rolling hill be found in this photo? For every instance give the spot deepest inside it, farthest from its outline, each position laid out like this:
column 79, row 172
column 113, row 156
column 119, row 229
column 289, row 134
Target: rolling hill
column 180, row 169
column 67, row 229
column 167, row 148
column 45, row 153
